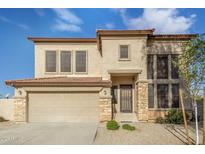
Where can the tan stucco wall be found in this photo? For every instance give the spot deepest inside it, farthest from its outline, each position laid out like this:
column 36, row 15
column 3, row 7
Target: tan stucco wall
column 7, row 109
column 110, row 53
column 93, row 61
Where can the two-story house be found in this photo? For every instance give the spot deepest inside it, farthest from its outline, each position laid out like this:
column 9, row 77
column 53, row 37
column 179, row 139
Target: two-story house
column 127, row 75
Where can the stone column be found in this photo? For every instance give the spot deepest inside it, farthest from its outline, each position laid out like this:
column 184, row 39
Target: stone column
column 105, row 105
column 142, row 100
column 20, row 109
column 105, row 109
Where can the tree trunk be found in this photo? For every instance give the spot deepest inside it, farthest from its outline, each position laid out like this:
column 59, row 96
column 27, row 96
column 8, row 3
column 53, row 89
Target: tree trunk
column 196, row 122
column 184, row 115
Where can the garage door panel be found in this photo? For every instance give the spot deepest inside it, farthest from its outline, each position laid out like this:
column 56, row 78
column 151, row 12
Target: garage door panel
column 63, row 107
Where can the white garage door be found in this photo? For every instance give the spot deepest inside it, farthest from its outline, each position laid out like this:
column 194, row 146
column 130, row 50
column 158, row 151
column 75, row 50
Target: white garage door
column 63, row 107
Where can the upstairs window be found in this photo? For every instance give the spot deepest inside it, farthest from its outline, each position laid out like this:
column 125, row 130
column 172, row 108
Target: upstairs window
column 81, row 62
column 50, row 61
column 162, row 67
column 150, row 64
column 174, row 68
column 124, row 52
column 65, row 61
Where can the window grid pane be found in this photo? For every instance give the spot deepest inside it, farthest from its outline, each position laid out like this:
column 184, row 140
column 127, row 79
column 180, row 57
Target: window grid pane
column 80, row 61
column 50, row 61
column 151, row 95
column 162, row 95
column 175, row 70
column 150, row 64
column 65, row 61
column 124, row 52
column 175, row 95
column 162, row 67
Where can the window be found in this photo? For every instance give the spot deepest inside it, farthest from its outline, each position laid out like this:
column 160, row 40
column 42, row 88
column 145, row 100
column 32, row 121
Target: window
column 50, row 61
column 150, row 70
column 65, row 61
column 151, row 95
column 174, row 68
column 81, row 62
column 162, row 67
column 162, row 95
column 175, row 95
column 124, row 53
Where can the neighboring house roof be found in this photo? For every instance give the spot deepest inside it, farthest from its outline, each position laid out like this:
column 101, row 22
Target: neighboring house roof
column 172, row 36
column 60, row 81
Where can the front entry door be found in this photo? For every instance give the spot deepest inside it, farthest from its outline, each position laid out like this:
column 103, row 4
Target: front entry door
column 126, row 98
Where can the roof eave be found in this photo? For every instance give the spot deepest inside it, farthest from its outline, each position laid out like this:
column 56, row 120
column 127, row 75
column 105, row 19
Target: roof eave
column 61, row 40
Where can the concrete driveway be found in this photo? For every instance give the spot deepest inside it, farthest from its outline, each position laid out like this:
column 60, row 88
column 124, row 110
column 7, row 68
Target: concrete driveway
column 48, row 133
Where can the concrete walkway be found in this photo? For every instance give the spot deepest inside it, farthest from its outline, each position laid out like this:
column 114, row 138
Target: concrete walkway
column 47, row 133
column 145, row 134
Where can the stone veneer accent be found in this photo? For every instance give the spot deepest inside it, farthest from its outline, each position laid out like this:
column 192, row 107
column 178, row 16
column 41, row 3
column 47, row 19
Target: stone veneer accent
column 20, row 109
column 142, row 100
column 105, row 109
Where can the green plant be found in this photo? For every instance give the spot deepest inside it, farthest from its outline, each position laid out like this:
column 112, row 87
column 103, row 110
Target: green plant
column 160, row 120
column 128, row 127
column 173, row 116
column 112, row 125
column 2, row 119
column 191, row 64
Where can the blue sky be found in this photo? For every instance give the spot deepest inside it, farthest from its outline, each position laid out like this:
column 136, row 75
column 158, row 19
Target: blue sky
column 17, row 53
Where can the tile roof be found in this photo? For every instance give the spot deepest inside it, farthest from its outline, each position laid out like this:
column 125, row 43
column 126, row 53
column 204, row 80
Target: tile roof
column 60, row 81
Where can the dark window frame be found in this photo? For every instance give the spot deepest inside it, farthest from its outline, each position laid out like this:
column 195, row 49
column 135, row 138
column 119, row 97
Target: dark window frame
column 50, row 61
column 162, row 73
column 175, row 96
column 150, row 66
column 77, row 63
column 70, row 61
column 162, row 92
column 151, row 95
column 128, row 52
column 174, row 69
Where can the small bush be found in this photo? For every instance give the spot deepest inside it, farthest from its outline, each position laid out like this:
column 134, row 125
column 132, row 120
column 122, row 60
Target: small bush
column 128, row 127
column 160, row 120
column 173, row 116
column 112, row 125
column 2, row 119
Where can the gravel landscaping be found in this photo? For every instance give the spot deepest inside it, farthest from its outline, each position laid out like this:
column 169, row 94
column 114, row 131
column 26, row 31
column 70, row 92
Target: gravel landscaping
column 145, row 133
column 68, row 133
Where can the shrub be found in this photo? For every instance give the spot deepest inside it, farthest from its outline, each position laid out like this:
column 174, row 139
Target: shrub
column 173, row 116
column 160, row 120
column 112, row 125
column 128, row 127
column 2, row 119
